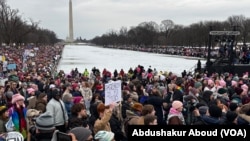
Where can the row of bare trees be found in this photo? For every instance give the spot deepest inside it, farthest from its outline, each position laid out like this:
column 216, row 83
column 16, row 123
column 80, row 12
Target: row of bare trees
column 14, row 29
column 167, row 33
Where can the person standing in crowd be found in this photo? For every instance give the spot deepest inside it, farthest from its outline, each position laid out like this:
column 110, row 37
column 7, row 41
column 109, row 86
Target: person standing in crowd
column 175, row 116
column 52, row 88
column 133, row 117
column 58, row 110
column 210, row 86
column 86, row 93
column 14, row 87
column 67, row 89
column 150, row 119
column 215, row 116
column 105, row 113
column 9, row 95
column 2, row 96
column 85, row 74
column 243, row 115
column 121, row 73
column 205, row 97
column 24, row 92
column 35, row 87
column 148, row 109
column 31, row 116
column 132, row 92
column 126, row 104
column 168, row 99
column 155, row 99
column 76, row 90
column 40, row 84
column 198, row 69
column 95, row 100
column 198, row 113
column 4, row 117
column 41, row 102
column 81, row 134
column 179, row 91
column 116, row 123
column 231, row 118
column 79, row 116
column 115, row 74
column 68, row 102
column 18, row 114
column 44, row 127
column 31, row 99
column 78, row 99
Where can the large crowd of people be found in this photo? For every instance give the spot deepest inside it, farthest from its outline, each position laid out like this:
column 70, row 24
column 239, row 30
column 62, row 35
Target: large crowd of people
column 42, row 103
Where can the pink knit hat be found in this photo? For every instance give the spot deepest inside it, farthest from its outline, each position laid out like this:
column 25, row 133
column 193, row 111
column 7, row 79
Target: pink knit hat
column 222, row 83
column 30, row 90
column 16, row 97
column 210, row 82
column 244, row 87
column 177, row 104
column 234, row 83
column 77, row 99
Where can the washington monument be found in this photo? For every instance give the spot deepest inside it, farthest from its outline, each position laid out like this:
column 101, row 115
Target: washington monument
column 71, row 35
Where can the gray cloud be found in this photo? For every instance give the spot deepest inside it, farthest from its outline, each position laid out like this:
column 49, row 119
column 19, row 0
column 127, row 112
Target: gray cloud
column 96, row 17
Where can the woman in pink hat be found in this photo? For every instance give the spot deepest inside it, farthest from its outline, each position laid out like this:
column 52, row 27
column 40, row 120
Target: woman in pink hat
column 31, row 99
column 175, row 116
column 18, row 114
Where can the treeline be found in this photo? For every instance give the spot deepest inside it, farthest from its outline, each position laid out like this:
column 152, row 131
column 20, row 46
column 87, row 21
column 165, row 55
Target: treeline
column 167, row 33
column 14, row 29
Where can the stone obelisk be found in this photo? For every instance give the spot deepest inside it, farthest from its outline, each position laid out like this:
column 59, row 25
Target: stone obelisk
column 71, row 35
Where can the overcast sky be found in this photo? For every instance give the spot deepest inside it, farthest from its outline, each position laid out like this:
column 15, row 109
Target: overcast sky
column 93, row 18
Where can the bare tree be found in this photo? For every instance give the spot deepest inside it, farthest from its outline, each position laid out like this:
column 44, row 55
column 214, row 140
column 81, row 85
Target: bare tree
column 166, row 26
column 6, row 16
column 123, row 34
column 13, row 28
column 246, row 31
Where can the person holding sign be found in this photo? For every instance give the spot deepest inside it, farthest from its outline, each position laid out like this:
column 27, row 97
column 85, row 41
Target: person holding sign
column 105, row 112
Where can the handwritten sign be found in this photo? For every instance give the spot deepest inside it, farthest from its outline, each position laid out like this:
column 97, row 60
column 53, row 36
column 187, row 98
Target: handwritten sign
column 113, row 92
